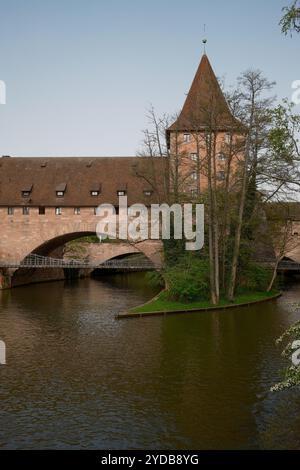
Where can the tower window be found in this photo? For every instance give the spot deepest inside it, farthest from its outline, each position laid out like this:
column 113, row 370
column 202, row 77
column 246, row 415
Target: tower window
column 194, row 157
column 186, row 138
column 194, row 175
column 227, row 138
column 221, row 175
column 77, row 210
column 58, row 211
column 222, row 156
column 41, row 210
column 94, row 193
column 25, row 210
column 121, row 192
column 10, row 211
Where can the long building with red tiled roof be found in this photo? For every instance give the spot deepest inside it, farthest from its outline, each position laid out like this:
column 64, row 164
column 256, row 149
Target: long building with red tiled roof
column 77, row 181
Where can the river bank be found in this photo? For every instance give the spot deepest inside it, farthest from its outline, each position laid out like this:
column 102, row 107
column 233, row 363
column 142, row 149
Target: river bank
column 161, row 305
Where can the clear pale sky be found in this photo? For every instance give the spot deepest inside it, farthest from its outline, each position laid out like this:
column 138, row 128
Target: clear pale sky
column 80, row 74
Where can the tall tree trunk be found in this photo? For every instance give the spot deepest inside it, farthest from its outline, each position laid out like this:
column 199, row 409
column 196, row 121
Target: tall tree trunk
column 274, row 274
column 237, row 241
column 226, row 217
column 212, row 265
column 215, row 223
column 213, row 296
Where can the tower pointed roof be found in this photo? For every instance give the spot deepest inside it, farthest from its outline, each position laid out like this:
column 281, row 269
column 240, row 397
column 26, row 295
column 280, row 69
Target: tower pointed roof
column 205, row 104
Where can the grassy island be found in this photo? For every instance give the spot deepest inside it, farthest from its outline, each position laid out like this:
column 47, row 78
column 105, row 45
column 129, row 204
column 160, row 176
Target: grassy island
column 161, row 304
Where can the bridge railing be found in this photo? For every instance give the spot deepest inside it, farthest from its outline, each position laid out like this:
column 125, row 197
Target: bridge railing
column 138, row 263
column 38, row 261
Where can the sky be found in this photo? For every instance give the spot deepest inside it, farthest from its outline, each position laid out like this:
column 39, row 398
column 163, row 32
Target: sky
column 81, row 74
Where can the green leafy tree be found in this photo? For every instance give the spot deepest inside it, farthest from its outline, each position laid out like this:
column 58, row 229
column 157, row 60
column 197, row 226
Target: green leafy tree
column 291, row 375
column 290, row 22
column 189, row 279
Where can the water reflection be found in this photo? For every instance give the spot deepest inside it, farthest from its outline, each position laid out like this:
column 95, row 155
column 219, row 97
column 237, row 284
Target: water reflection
column 78, row 378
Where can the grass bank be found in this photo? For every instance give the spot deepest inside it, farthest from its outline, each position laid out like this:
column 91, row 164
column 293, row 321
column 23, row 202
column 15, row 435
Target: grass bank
column 161, row 304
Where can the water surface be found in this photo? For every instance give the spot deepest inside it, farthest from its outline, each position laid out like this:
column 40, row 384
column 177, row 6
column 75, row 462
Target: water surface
column 78, row 378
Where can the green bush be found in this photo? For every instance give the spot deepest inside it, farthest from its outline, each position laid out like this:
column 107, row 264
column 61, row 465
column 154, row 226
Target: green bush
column 254, row 278
column 188, row 280
column 155, row 279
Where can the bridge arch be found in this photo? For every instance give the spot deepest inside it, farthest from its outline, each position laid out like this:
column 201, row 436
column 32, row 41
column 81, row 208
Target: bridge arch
column 96, row 252
column 50, row 245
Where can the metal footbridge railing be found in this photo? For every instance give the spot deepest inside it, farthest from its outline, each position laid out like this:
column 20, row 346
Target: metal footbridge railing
column 38, row 261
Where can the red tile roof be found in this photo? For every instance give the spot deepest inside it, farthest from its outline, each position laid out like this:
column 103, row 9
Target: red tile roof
column 205, row 104
column 79, row 176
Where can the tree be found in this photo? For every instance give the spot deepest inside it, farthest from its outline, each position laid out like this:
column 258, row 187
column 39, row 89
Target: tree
column 154, row 145
column 169, row 185
column 283, row 136
column 292, row 373
column 260, row 163
column 252, row 87
column 290, row 22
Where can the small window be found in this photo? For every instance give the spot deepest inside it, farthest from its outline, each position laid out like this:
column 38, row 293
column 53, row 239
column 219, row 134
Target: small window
column 222, row 157
column 26, row 190
column 296, row 234
column 221, row 175
column 208, row 138
column 25, row 210
column 147, row 192
column 121, row 192
column 95, row 188
column 77, row 210
column 10, row 211
column 227, row 138
column 194, row 175
column 57, row 210
column 186, row 138
column 41, row 210
column 194, row 157
column 61, row 189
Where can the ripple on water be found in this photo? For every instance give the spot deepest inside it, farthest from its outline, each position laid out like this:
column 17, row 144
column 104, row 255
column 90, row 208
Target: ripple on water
column 78, row 378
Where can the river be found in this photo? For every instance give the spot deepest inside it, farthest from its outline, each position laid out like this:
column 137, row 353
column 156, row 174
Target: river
column 78, row 378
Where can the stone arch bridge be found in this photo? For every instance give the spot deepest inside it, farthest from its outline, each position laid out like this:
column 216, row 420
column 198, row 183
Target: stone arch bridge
column 45, row 239
column 47, row 202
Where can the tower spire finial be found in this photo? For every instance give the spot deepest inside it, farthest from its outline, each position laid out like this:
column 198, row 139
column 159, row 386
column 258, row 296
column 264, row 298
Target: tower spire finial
column 204, row 40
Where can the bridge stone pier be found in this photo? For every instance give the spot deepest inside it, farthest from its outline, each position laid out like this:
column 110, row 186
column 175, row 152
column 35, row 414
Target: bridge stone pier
column 45, row 235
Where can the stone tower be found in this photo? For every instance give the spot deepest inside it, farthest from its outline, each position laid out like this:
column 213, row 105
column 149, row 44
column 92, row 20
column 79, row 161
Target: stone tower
column 205, row 127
